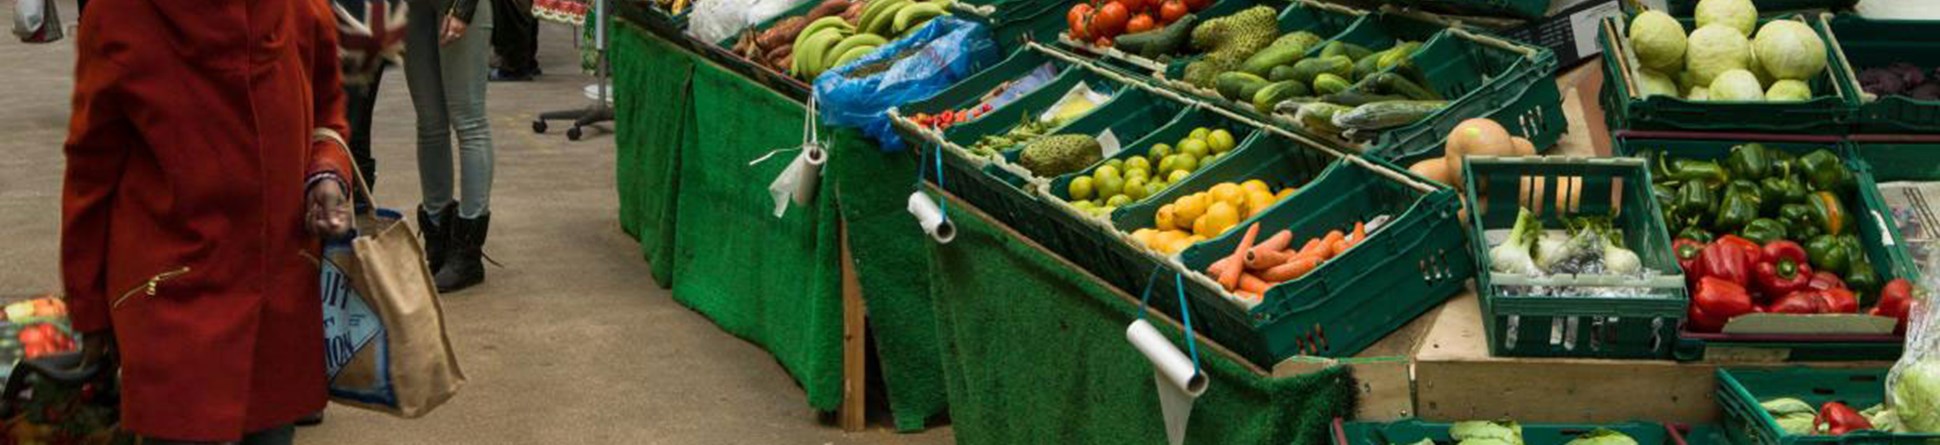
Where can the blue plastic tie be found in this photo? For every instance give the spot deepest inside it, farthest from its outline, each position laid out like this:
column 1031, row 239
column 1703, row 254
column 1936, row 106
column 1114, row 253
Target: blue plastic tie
column 1192, row 343
column 1145, row 300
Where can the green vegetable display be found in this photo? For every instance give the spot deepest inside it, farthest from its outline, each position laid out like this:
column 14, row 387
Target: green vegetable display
column 1824, row 171
column 1749, row 162
column 1740, row 206
column 1827, row 253
column 1763, row 230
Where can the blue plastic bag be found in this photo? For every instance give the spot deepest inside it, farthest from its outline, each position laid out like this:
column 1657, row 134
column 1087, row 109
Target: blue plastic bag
column 943, row 52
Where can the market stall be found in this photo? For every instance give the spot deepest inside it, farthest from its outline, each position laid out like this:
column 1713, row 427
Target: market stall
column 1297, row 200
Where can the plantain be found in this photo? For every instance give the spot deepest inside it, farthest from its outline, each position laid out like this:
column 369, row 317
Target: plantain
column 916, row 14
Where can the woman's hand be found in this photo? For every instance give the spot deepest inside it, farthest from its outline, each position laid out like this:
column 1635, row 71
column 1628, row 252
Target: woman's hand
column 454, row 28
column 327, row 209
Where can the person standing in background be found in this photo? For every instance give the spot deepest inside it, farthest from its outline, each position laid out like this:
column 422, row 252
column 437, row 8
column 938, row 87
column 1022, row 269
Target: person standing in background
column 446, row 67
column 205, row 160
column 516, row 41
column 370, row 38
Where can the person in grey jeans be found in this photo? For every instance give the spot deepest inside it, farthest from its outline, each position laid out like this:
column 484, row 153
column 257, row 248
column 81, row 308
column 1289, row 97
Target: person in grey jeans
column 446, row 65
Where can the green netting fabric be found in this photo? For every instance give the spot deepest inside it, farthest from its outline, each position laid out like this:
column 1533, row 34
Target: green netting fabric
column 773, row 281
column 656, row 118
column 891, row 260
column 1035, row 352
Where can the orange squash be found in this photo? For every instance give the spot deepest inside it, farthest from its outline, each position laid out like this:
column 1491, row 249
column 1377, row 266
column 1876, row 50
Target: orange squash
column 1477, row 136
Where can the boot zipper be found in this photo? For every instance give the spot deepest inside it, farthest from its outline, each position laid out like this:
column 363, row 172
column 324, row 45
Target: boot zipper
column 149, row 287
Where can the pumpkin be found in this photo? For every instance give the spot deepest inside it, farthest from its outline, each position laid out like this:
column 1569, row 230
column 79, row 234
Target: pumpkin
column 1435, row 169
column 1523, row 147
column 1476, row 136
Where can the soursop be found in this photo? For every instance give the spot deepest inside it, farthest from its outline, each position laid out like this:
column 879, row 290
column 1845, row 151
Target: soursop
column 1229, row 40
column 1056, row 155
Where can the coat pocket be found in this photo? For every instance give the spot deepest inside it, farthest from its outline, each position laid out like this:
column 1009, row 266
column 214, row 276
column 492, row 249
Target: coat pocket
column 149, row 287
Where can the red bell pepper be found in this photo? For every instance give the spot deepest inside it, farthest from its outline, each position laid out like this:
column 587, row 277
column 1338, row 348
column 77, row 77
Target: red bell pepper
column 1754, row 252
column 1822, row 280
column 1783, row 271
column 1725, row 261
column 1895, row 300
column 1837, row 419
column 1717, row 300
column 1801, row 302
column 1687, row 251
column 1839, row 301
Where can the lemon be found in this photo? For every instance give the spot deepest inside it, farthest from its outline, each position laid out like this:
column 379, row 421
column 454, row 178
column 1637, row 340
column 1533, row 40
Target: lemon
column 1228, row 193
column 1163, row 218
column 1145, row 236
column 1220, row 141
column 1109, row 187
column 1186, row 163
column 1219, row 217
column 1257, row 201
column 1118, row 200
column 1137, row 173
column 1138, row 163
column 1116, row 164
column 1252, row 185
column 1153, row 188
column 1106, row 171
column 1165, row 238
column 1187, row 210
column 1080, row 188
column 1284, row 193
column 1168, row 163
column 1179, row 245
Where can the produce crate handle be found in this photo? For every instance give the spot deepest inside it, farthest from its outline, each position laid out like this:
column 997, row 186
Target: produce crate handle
column 1621, row 45
column 1839, row 54
column 1331, row 7
column 1493, row 41
column 1185, row 313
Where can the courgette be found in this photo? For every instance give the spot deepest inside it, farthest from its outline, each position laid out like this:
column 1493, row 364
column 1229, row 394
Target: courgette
column 1385, row 115
column 1158, row 42
column 1273, row 94
column 1396, row 84
column 1236, row 85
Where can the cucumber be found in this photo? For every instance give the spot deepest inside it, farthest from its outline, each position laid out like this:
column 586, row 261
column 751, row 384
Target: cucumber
column 1385, row 115
column 1356, row 52
column 1334, row 48
column 1263, row 62
column 1274, row 93
column 1396, row 84
column 1280, row 73
column 1366, row 66
column 1355, row 98
column 1319, row 117
column 1328, row 83
column 1236, row 85
column 1158, row 42
column 1306, row 70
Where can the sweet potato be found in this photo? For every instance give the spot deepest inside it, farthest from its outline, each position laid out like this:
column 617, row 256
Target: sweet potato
column 855, row 11
column 828, row 8
column 783, row 33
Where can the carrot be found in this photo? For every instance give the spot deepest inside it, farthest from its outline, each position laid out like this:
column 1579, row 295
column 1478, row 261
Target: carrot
column 1248, row 296
column 1360, row 233
column 1219, row 267
column 1258, row 260
column 1312, row 247
column 1277, row 242
column 1250, row 283
column 1340, row 247
column 1328, row 244
column 1230, row 276
column 1294, row 268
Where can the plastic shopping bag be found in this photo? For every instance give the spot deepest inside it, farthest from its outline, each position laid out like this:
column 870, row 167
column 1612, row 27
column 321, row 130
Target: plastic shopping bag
column 36, row 21
column 1913, row 385
column 715, row 20
column 860, row 94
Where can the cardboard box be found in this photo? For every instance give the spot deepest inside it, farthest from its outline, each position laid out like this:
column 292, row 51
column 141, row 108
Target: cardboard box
column 1570, row 29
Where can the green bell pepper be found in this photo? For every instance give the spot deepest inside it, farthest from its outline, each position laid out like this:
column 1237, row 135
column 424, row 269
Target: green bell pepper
column 1828, row 213
column 1822, row 170
column 1860, row 276
column 1690, row 170
column 1763, row 230
column 1750, row 189
column 1798, row 221
column 1779, row 191
column 1695, row 234
column 1666, row 195
column 1784, row 164
column 1748, row 161
column 1696, row 202
column 1738, row 209
column 1827, row 253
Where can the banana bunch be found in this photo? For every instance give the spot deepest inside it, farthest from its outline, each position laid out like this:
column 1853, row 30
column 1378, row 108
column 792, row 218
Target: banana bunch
column 829, row 42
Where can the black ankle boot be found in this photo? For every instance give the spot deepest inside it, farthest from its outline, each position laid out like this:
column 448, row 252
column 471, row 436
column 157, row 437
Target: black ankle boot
column 437, row 234
column 464, row 263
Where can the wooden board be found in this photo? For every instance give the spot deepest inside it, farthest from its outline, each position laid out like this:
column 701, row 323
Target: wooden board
column 853, row 412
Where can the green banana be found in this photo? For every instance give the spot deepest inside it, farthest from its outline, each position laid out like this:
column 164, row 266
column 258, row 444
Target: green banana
column 851, row 55
column 811, row 54
column 876, row 13
column 916, row 14
column 830, row 22
column 852, row 42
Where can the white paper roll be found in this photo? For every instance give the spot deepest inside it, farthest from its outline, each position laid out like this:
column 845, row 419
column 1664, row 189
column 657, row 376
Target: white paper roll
column 1166, row 359
column 808, row 174
column 930, row 217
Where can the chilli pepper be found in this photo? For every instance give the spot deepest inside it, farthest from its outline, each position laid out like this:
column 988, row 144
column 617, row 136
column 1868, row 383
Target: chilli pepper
column 1696, row 234
column 1748, row 161
column 1783, row 269
column 1839, row 301
column 1716, row 302
column 1696, row 202
column 1739, row 208
column 1725, row 261
column 1822, row 280
column 1763, row 230
column 1895, row 300
column 1824, row 171
column 1801, row 302
column 1838, row 419
column 1827, row 254
column 1861, row 277
column 1798, row 221
column 1687, row 251
column 1828, row 214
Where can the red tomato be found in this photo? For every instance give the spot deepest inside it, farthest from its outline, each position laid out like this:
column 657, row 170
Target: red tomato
column 1139, row 23
column 1172, row 10
column 1079, row 19
column 1134, row 6
column 1110, row 20
column 1198, row 5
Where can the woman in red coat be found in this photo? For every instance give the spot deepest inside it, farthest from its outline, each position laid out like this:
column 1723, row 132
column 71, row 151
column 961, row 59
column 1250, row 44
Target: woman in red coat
column 203, row 164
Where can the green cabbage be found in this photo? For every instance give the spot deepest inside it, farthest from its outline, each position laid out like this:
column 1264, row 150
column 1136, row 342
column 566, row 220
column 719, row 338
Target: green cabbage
column 1739, row 15
column 1796, row 424
column 1788, row 90
column 1658, row 40
column 1481, row 432
column 1737, row 85
column 1655, row 83
column 1715, row 49
column 1789, row 50
column 1916, row 396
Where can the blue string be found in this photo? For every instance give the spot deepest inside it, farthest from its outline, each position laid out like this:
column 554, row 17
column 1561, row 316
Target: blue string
column 942, row 205
column 1145, row 300
column 1192, row 344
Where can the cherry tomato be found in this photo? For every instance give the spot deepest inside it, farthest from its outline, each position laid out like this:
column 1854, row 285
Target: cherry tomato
column 1079, row 19
column 1139, row 23
column 1198, row 5
column 1172, row 10
column 1110, row 20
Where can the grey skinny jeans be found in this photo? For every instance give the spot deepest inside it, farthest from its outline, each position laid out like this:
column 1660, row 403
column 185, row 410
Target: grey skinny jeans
column 448, row 89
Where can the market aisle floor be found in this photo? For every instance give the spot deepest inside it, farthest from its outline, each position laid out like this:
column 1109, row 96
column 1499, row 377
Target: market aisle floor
column 570, row 342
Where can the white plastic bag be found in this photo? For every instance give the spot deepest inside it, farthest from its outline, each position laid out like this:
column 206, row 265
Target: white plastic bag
column 716, row 20
column 36, row 21
column 1913, row 385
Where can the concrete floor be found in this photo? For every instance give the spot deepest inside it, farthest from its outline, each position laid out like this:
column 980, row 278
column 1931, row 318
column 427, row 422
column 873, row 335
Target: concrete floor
column 570, row 342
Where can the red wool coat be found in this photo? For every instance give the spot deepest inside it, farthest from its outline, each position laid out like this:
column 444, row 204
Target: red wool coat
column 182, row 216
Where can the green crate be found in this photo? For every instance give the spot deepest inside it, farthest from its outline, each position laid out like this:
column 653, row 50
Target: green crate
column 1001, row 120
column 1482, row 76
column 1868, row 43
column 1409, row 431
column 1741, row 390
column 1685, row 8
column 1013, row 22
column 1891, row 161
column 1831, row 112
column 1574, row 325
column 1524, row 9
column 1334, row 23
column 1170, row 134
column 1864, row 203
column 971, row 90
column 1406, row 267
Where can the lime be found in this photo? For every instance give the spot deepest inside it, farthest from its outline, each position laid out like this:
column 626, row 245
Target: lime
column 1116, row 164
column 1153, row 188
column 1104, row 172
column 1083, row 205
column 1137, row 173
column 1159, row 151
column 1080, row 188
column 1109, row 187
column 1135, row 188
column 1197, row 133
column 1177, row 175
column 1168, row 163
column 1138, row 163
column 1117, row 201
column 1188, row 163
column 1195, row 148
column 1220, row 140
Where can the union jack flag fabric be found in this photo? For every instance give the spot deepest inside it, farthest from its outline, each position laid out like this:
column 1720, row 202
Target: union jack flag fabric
column 369, row 33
